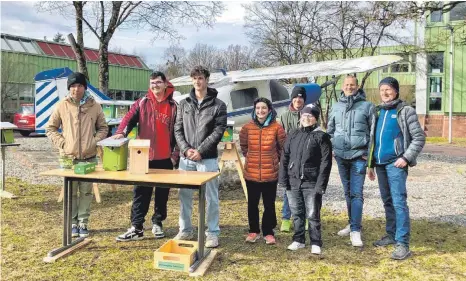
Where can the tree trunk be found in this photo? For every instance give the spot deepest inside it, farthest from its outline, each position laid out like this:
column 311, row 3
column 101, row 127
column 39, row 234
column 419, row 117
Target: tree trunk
column 79, row 47
column 103, row 67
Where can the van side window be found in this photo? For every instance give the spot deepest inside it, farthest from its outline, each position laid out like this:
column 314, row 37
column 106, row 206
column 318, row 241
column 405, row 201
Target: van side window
column 243, row 98
column 278, row 91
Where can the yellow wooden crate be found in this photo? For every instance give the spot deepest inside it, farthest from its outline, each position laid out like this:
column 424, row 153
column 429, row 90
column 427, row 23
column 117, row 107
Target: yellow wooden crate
column 177, row 255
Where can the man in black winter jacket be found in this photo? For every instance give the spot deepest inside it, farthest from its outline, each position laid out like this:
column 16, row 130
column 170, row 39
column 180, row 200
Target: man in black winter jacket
column 305, row 168
column 200, row 123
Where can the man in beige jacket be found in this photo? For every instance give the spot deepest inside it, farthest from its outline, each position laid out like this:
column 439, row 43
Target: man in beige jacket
column 83, row 124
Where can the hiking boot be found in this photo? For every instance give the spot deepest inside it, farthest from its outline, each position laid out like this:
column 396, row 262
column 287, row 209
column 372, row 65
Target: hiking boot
column 270, row 240
column 401, row 252
column 74, row 230
column 316, row 250
column 345, row 231
column 355, row 237
column 252, row 237
column 384, row 241
column 295, row 246
column 211, row 241
column 184, row 236
column 131, row 235
column 83, row 231
column 286, row 226
column 157, row 230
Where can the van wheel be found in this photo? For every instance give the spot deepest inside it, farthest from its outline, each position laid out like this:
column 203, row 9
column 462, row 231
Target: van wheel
column 25, row 133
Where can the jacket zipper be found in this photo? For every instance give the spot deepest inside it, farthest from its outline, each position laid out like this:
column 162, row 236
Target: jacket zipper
column 79, row 130
column 260, row 153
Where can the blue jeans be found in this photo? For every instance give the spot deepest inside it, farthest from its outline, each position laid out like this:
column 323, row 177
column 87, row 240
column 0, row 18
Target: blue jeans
column 352, row 175
column 212, row 201
column 286, row 211
column 392, row 185
column 306, row 204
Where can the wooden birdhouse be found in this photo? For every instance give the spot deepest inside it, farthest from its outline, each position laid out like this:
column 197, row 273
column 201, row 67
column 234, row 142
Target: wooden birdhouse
column 139, row 156
column 7, row 132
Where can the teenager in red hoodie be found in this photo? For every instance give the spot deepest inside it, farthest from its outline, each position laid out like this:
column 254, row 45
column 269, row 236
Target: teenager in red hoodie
column 156, row 114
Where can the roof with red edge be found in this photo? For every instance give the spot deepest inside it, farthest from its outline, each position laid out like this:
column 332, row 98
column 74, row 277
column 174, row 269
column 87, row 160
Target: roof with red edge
column 64, row 51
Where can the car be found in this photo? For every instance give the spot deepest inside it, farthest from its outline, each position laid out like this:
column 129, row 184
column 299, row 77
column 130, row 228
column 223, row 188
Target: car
column 25, row 119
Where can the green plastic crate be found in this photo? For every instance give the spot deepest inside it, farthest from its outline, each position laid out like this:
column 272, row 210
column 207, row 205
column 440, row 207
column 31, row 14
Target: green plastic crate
column 84, row 168
column 7, row 136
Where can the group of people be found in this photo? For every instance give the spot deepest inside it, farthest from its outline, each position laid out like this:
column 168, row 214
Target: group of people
column 292, row 152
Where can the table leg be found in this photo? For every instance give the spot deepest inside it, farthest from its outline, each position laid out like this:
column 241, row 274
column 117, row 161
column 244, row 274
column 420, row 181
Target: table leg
column 201, row 253
column 65, row 212
column 69, row 217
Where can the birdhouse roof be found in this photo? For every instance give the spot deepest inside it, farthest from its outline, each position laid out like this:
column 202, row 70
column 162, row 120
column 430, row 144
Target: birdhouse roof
column 139, row 144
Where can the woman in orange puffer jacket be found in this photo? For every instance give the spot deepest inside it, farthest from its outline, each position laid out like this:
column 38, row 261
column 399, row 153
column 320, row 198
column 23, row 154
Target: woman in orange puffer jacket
column 262, row 142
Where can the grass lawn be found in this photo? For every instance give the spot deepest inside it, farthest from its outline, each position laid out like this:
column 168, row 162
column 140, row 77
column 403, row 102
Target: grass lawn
column 31, row 226
column 461, row 142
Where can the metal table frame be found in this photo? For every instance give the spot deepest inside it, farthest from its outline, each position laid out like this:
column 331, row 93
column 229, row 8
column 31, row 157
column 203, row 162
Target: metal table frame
column 67, row 204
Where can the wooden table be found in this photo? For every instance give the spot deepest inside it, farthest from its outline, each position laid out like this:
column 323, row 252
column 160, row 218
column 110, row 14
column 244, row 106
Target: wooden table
column 155, row 177
column 3, row 192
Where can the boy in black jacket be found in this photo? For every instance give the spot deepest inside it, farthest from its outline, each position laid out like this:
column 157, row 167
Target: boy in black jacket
column 305, row 170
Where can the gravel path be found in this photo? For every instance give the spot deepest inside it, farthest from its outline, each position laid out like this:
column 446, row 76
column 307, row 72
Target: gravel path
column 436, row 186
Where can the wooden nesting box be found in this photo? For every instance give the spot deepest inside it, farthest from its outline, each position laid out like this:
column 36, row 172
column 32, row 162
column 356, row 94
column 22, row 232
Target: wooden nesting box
column 7, row 132
column 139, row 156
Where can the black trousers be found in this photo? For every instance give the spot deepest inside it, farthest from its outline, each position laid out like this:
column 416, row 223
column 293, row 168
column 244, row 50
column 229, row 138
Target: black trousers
column 305, row 203
column 142, row 196
column 268, row 190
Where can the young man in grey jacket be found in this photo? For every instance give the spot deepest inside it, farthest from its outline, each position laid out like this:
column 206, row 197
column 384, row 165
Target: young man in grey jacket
column 200, row 123
column 350, row 124
column 398, row 140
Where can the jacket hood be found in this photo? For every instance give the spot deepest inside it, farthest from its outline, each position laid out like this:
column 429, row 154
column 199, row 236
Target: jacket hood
column 90, row 101
column 168, row 92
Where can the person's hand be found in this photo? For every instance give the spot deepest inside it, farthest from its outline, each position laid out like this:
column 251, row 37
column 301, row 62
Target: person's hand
column 189, row 153
column 371, row 174
column 364, row 157
column 320, row 191
column 173, row 161
column 333, row 153
column 118, row 136
column 196, row 156
column 401, row 163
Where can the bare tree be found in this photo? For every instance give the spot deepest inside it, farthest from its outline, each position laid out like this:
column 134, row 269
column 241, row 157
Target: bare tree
column 104, row 18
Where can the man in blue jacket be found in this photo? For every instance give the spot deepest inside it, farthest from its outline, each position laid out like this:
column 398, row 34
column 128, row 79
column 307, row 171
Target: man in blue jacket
column 351, row 121
column 398, row 140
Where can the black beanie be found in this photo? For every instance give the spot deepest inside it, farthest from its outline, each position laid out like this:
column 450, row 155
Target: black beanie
column 298, row 91
column 311, row 109
column 77, row 78
column 392, row 82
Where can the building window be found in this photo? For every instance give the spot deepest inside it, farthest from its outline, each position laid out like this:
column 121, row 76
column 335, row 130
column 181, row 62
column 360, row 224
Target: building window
column 458, row 13
column 403, row 66
column 437, row 16
column 278, row 91
column 435, row 93
column 435, row 62
column 243, row 98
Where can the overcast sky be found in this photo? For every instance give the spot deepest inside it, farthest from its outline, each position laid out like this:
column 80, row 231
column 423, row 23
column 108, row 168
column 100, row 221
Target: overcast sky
column 22, row 19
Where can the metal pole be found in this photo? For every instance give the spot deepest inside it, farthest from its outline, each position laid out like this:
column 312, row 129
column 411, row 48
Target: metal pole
column 450, row 117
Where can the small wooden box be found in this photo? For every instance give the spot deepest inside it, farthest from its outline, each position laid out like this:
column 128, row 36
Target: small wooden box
column 176, row 255
column 7, row 132
column 115, row 154
column 139, row 156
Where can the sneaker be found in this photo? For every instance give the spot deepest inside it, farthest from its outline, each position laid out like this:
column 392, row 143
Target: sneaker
column 211, row 241
column 157, row 230
column 83, row 231
column 401, row 252
column 316, row 250
column 345, row 231
column 295, row 246
column 184, row 236
column 74, row 230
column 355, row 237
column 131, row 235
column 384, row 241
column 286, row 226
column 270, row 240
column 252, row 237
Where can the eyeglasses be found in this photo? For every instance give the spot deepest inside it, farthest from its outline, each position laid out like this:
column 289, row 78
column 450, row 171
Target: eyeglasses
column 158, row 83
